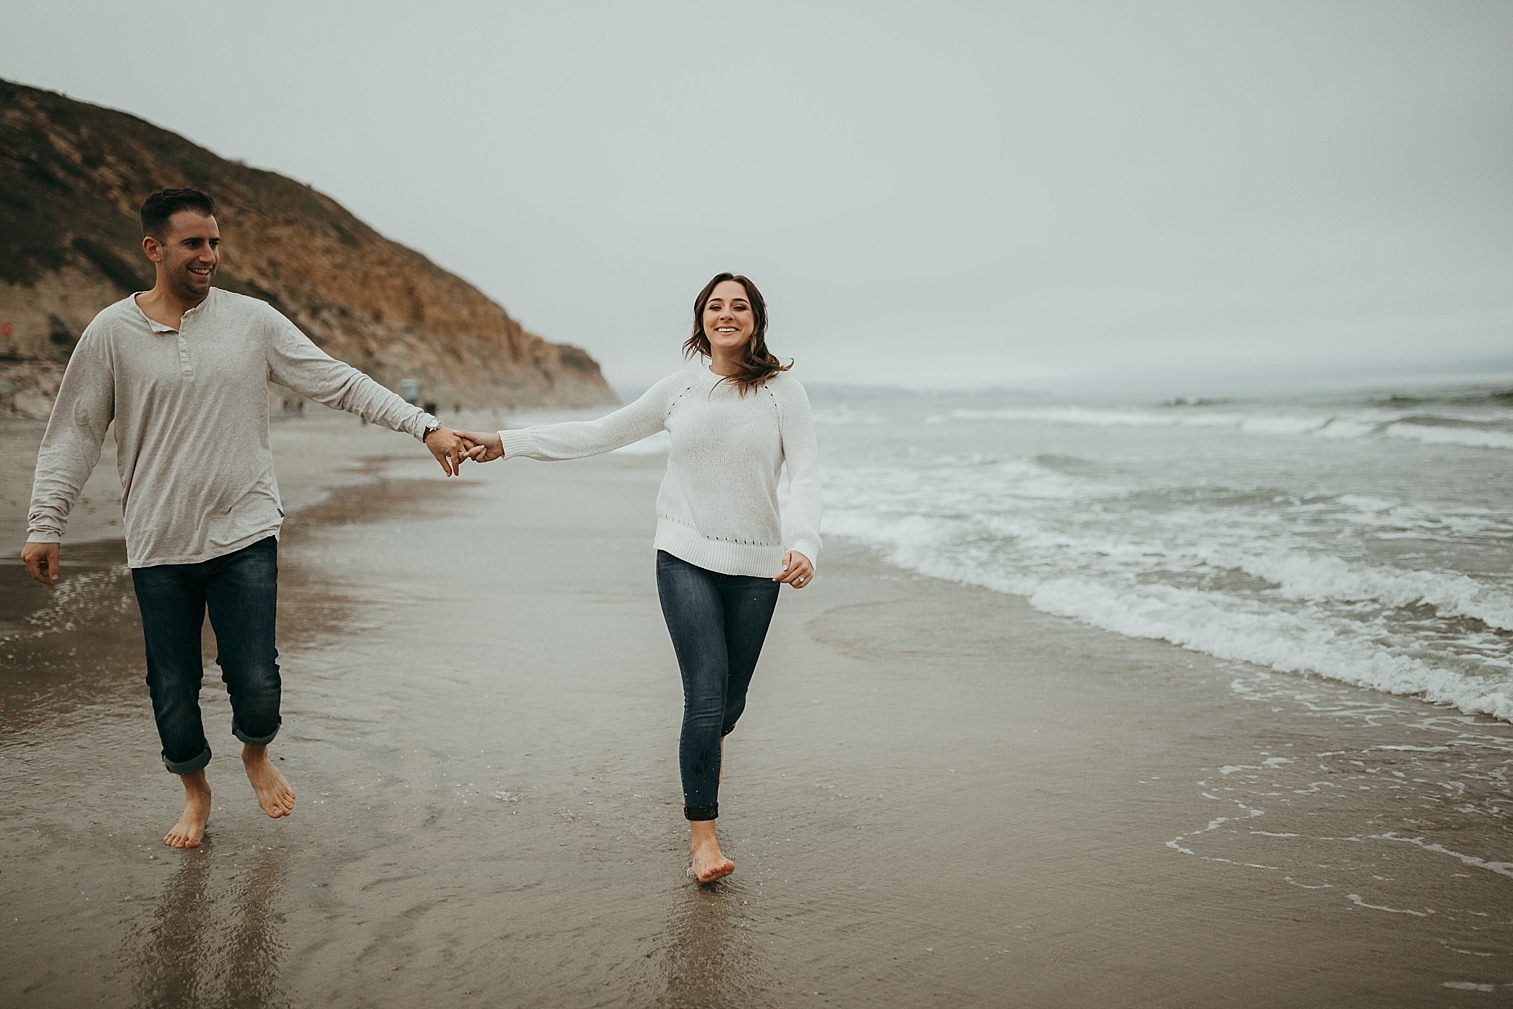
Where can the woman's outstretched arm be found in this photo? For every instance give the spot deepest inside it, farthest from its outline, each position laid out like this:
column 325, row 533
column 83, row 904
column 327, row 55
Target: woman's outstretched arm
column 577, row 439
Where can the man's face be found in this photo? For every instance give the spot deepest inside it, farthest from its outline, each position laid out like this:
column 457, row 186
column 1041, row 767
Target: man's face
column 187, row 254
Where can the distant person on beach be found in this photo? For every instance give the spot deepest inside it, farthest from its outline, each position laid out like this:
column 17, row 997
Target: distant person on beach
column 183, row 370
column 723, row 548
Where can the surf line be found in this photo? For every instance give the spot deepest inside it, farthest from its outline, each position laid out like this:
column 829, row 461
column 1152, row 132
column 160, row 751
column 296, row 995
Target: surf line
column 1501, row 868
column 1356, row 898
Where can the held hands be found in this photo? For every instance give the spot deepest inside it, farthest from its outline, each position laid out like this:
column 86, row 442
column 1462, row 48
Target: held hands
column 41, row 559
column 452, row 448
column 448, row 449
column 481, row 447
column 797, row 570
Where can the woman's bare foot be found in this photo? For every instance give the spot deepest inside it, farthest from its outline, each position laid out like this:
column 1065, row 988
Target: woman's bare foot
column 190, row 829
column 273, row 792
column 708, row 864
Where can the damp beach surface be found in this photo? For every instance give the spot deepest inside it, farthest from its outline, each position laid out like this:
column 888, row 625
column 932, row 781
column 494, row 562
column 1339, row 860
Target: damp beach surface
column 938, row 794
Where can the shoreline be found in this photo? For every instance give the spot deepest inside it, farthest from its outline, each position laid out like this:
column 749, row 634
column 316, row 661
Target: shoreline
column 1438, row 696
column 938, row 794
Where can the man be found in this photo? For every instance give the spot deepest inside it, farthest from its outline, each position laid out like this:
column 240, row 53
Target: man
column 183, row 371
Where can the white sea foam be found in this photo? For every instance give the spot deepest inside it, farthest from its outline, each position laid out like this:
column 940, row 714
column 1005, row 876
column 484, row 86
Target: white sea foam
column 1309, row 577
column 1203, row 621
column 1247, row 579
column 1344, row 427
column 1468, row 436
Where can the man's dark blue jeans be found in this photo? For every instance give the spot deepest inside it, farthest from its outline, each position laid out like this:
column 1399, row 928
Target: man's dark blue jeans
column 718, row 623
column 241, row 592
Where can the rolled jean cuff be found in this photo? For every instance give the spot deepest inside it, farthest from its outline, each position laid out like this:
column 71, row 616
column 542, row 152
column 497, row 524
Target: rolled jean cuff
column 709, row 812
column 236, row 730
column 189, row 766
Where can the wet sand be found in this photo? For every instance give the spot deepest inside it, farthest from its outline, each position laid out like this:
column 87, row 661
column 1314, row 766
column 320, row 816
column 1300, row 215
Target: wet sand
column 937, row 796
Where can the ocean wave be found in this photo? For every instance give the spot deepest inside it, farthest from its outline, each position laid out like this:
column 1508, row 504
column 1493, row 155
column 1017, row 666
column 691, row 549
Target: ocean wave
column 1471, row 437
column 1318, row 578
column 1294, row 573
column 1478, row 431
column 1249, row 574
column 1340, row 555
column 1286, row 642
column 1227, row 627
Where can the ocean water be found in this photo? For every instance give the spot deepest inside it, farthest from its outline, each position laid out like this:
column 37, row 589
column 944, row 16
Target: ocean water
column 1367, row 538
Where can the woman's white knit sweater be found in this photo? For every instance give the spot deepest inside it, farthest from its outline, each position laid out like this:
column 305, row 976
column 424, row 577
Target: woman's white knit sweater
column 718, row 507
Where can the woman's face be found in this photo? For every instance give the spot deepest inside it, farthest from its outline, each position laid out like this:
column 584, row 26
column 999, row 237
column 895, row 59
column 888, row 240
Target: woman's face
column 728, row 320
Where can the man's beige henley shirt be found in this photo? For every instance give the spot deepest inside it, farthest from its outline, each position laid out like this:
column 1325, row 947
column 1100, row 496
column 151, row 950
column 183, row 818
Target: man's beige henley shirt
column 191, row 413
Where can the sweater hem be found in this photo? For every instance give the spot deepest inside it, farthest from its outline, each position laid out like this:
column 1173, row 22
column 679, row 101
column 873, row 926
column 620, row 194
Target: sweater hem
column 723, row 556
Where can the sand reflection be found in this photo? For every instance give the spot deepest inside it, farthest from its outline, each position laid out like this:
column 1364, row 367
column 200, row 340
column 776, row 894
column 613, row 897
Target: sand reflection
column 209, row 949
column 713, row 957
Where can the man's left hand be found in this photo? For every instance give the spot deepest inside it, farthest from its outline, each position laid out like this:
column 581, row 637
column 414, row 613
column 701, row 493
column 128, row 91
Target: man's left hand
column 448, row 449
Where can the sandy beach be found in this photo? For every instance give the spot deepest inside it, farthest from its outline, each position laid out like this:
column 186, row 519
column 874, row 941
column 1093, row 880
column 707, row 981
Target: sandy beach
column 937, row 796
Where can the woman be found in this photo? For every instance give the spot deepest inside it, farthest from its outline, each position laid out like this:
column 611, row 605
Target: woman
column 723, row 549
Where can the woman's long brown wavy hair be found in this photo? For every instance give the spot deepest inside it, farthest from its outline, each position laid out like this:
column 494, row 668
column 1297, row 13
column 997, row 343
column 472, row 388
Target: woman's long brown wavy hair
column 757, row 363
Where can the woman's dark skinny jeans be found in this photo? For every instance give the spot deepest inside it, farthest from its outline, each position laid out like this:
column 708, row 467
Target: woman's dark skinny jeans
column 718, row 623
column 241, row 592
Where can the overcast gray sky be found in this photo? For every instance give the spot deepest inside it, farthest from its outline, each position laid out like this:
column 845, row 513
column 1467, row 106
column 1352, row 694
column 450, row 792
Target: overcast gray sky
column 1062, row 196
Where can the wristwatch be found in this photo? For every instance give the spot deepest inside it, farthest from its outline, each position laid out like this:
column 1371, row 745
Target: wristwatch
column 430, row 428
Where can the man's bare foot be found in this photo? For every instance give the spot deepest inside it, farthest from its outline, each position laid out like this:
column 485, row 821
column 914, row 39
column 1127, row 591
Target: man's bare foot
column 273, row 792
column 708, row 864
column 190, row 829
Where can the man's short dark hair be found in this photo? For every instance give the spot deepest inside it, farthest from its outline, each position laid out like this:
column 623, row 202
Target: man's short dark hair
column 163, row 204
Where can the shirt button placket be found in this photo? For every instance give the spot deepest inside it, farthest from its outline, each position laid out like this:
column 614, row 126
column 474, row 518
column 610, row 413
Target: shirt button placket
column 184, row 367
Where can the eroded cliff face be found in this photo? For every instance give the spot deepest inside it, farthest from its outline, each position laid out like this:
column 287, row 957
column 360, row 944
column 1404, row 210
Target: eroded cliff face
column 72, row 176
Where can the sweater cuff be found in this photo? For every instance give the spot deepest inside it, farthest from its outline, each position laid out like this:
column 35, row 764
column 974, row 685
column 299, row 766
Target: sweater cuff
column 515, row 443
column 810, row 549
column 44, row 536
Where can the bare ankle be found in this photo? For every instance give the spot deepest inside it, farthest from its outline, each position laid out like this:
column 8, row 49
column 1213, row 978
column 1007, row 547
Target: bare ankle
column 709, row 862
column 195, row 784
column 702, row 833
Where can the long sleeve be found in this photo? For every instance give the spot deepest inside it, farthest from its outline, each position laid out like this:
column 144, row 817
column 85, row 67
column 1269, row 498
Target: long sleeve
column 801, row 519
column 577, row 439
column 294, row 361
column 71, row 447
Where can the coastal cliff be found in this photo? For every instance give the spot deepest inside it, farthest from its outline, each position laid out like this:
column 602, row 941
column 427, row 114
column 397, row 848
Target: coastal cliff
column 72, row 176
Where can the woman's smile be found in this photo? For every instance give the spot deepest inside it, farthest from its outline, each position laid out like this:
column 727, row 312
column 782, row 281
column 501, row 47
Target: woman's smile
column 728, row 319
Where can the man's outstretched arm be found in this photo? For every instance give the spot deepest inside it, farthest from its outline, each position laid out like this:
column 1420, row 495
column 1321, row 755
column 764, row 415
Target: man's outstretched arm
column 295, row 361
column 70, row 448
